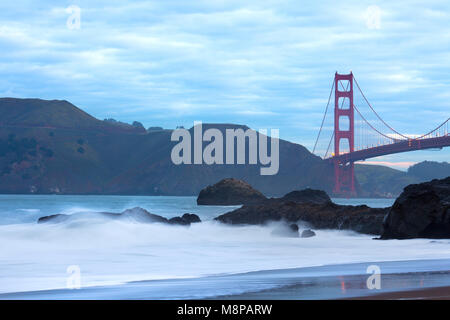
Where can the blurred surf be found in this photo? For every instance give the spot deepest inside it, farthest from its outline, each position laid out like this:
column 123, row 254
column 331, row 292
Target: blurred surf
column 112, row 252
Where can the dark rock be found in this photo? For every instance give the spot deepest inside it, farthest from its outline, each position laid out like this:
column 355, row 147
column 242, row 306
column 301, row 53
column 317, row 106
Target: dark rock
column 55, row 218
column 229, row 192
column 141, row 215
column 191, row 218
column 135, row 214
column 185, row 220
column 320, row 216
column 294, row 227
column 421, row 211
column 307, row 195
column 179, row 220
column 308, row 233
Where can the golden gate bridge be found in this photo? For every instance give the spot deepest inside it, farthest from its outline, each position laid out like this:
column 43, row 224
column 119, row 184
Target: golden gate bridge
column 359, row 133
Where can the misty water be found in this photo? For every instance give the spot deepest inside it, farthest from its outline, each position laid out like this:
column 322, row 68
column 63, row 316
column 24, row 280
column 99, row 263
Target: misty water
column 174, row 261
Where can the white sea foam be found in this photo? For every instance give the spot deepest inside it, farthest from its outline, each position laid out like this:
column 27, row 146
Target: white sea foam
column 29, row 210
column 36, row 256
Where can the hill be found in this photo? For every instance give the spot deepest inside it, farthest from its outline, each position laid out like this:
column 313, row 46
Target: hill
column 55, row 147
column 429, row 170
column 380, row 181
column 52, row 114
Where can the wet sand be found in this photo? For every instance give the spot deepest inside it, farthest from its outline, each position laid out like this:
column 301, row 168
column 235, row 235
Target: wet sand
column 439, row 293
column 417, row 279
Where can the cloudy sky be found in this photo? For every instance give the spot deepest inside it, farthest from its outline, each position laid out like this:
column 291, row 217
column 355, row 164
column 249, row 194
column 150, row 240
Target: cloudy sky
column 264, row 63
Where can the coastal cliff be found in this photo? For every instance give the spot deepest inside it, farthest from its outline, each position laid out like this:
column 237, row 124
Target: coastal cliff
column 421, row 211
column 228, row 192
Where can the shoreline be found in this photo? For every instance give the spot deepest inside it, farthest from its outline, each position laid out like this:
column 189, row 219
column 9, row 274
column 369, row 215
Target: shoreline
column 398, row 285
column 434, row 293
column 410, row 279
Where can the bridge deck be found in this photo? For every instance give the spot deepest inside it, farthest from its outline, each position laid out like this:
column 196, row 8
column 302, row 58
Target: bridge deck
column 398, row 147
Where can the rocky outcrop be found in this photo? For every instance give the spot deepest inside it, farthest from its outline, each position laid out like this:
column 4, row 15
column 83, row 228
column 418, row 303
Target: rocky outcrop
column 311, row 206
column 228, row 192
column 185, row 219
column 54, row 218
column 421, row 211
column 140, row 215
column 319, row 216
column 307, row 195
column 136, row 214
column 308, row 233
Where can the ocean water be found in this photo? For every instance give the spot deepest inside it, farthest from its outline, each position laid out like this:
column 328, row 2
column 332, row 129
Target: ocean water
column 113, row 254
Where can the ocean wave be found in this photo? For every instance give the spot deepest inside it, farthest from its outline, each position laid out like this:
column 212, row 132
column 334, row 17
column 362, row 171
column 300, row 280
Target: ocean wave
column 29, row 210
column 36, row 256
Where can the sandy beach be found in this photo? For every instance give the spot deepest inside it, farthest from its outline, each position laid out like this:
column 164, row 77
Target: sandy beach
column 438, row 293
column 419, row 279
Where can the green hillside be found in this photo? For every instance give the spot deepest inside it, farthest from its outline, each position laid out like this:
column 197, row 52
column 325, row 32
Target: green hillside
column 381, row 181
column 55, row 147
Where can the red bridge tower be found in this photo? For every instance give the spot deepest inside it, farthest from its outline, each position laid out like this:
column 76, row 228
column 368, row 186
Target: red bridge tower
column 344, row 175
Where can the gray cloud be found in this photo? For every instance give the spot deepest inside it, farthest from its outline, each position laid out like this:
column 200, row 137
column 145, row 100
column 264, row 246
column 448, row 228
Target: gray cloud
column 262, row 63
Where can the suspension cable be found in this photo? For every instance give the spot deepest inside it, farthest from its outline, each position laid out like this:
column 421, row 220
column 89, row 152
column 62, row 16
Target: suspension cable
column 329, row 145
column 324, row 116
column 354, row 106
column 441, row 125
column 367, row 101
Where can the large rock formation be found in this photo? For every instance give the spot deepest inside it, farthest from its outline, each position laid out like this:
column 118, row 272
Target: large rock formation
column 421, row 211
column 185, row 219
column 140, row 215
column 311, row 206
column 307, row 195
column 228, row 192
column 319, row 216
column 308, row 234
column 136, row 214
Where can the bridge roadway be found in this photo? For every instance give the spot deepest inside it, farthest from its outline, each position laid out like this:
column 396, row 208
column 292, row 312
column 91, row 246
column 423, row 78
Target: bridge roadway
column 397, row 147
